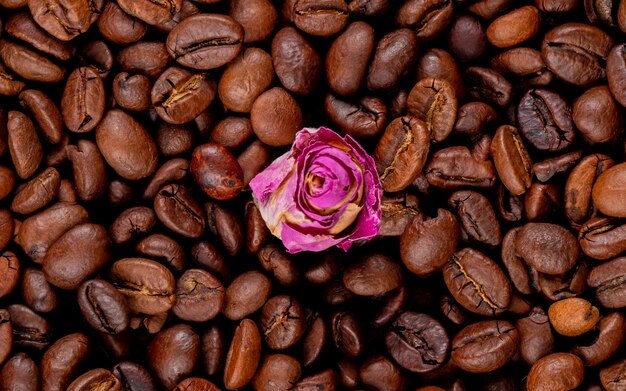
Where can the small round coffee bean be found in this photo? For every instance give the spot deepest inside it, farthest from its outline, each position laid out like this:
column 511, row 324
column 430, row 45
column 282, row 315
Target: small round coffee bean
column 216, row 171
column 573, row 317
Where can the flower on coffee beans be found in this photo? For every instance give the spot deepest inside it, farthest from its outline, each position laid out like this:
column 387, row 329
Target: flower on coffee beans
column 324, row 192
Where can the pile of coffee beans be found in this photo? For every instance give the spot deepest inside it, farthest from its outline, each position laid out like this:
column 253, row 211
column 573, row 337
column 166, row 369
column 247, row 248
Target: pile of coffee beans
column 134, row 258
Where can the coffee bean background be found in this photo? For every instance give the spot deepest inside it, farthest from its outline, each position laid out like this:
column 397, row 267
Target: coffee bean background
column 132, row 256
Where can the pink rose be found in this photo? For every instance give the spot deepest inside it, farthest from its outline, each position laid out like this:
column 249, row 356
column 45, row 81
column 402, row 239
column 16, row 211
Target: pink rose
column 324, row 192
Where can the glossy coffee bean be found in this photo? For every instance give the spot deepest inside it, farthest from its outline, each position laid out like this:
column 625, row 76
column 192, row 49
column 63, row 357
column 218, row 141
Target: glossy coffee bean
column 573, row 317
column 282, row 322
column 433, row 101
column 199, row 296
column 177, row 208
column 95, row 378
column 103, row 306
column 427, row 17
column 173, row 354
column 255, row 67
column 216, row 171
column 276, row 117
column 496, row 340
column 548, row 248
column 608, row 281
column 246, row 294
column 63, row 361
column 320, row 17
column 557, row 371
column 244, row 355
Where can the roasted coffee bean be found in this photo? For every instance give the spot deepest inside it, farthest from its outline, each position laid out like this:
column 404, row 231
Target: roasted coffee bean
column 363, row 119
column 525, row 64
column 347, row 58
column 173, row 354
column 573, row 317
column 612, row 377
column 149, row 58
column 134, row 376
column 276, row 117
column 477, row 283
column 119, row 27
column 485, row 346
column 37, row 192
column 609, row 281
column 433, row 101
column 6, row 335
column 180, row 96
column 29, row 329
column 548, row 248
column 147, row 285
column 95, row 378
column 179, row 211
column 373, row 275
column 485, row 84
column 608, row 342
column 131, row 223
column 205, row 41
column 546, row 169
column 103, row 306
column 438, row 63
column 282, row 322
column 132, row 92
column 535, row 335
column 615, row 66
column 246, row 294
column 277, row 372
column 126, row 145
column 255, row 67
column 427, row 244
column 297, row 63
column 428, row 18
column 557, row 371
column 45, row 112
column 171, row 171
column 602, row 237
column 545, row 120
column 244, row 355
column 281, row 265
column 454, row 167
column 320, row 17
column 151, row 12
column 64, row 20
column 216, row 171
column 7, row 181
column 597, row 116
column 199, row 296
column 348, row 334
column 24, row 28
column 576, row 53
column 542, row 200
column 24, row 145
column 511, row 159
column 83, row 101
column 515, row 27
column 20, row 373
column 393, row 58
column 478, row 218
column 466, row 38
column 206, row 255
column 418, row 342
column 401, row 153
column 29, row 64
column 164, row 249
column 80, row 252
column 63, row 361
column 578, row 188
column 38, row 294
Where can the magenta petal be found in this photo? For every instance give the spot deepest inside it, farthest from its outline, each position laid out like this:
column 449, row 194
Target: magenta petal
column 324, row 192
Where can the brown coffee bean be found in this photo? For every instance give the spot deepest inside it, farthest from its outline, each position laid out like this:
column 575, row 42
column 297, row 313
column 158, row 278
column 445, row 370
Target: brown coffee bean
column 90, row 175
column 83, row 101
column 347, row 58
column 6, row 335
column 315, row 339
column 417, row 342
column 29, row 64
column 20, row 372
column 147, row 285
column 24, row 145
column 276, row 117
column 398, row 211
column 608, row 342
column 485, row 346
column 379, row 372
column 37, row 192
column 80, row 252
column 524, row 64
column 45, row 112
column 535, row 335
column 94, row 379
column 372, row 275
column 180, row 96
column 7, row 181
column 478, row 218
column 232, row 132
column 515, row 27
column 348, row 335
column 576, row 53
column 24, row 28
column 320, row 17
column 246, row 294
column 63, row 361
column 134, row 376
column 173, row 354
column 103, row 306
column 428, row 18
column 598, row 116
column 608, row 191
column 557, row 371
column 578, row 188
column 131, row 223
column 243, row 356
column 126, row 145
column 394, row 56
column 253, row 160
column 164, row 249
column 615, row 66
column 477, row 283
column 401, row 152
column 10, row 267
column 206, row 255
column 132, row 92
column 258, row 19
column 282, row 322
column 276, row 261
column 195, row 383
column 297, row 63
column 119, row 27
column 29, row 329
column 573, row 317
column 216, row 171
column 612, row 377
column 171, row 171
column 277, row 372
column 38, row 294
column 148, row 58
column 7, row 228
column 63, row 20
column 466, row 38
column 199, row 296
column 363, row 118
column 151, row 12
column 9, row 84
column 548, row 248
column 542, row 200
column 609, row 281
column 438, row 63
column 178, row 210
column 433, row 101
column 511, row 160
column 423, row 248
column 602, row 237
column 205, row 41
column 245, row 78
column 37, row 233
